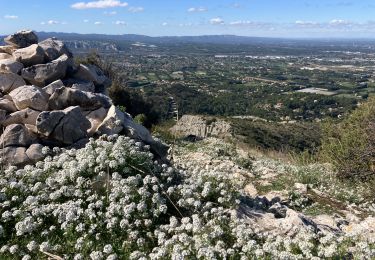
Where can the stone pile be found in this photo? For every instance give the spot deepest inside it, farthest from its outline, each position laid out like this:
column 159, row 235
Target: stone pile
column 46, row 100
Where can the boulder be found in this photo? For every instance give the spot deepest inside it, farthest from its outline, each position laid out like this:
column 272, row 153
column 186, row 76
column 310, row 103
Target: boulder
column 66, row 126
column 14, row 156
column 11, row 65
column 10, row 81
column 4, row 56
column 112, row 123
column 34, row 152
column 7, row 49
column 25, row 116
column 16, row 135
column 2, row 116
column 7, row 105
column 96, row 118
column 50, row 89
column 65, row 97
column 91, row 73
column 22, row 39
column 44, row 74
column 54, row 48
column 29, row 56
column 30, row 97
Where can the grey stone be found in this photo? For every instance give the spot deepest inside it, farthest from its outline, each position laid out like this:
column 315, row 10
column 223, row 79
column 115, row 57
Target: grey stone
column 54, row 48
column 8, row 49
column 25, row 116
column 34, row 152
column 16, row 135
column 113, row 122
column 91, row 73
column 14, row 156
column 11, row 65
column 65, row 97
column 22, row 38
column 7, row 105
column 44, row 74
column 30, row 97
column 30, row 55
column 50, row 89
column 10, row 81
column 4, row 56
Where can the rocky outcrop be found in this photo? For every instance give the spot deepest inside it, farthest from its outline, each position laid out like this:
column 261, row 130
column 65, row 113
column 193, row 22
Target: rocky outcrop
column 47, row 100
column 201, row 126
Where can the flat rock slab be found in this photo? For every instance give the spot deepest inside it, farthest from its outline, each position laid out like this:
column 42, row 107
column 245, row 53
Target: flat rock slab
column 11, row 65
column 54, row 48
column 16, row 135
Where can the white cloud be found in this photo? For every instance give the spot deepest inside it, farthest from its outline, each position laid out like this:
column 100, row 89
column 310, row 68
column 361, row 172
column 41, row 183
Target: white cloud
column 98, row 23
column 10, row 16
column 122, row 23
column 164, row 24
column 136, row 9
column 197, row 9
column 99, row 4
column 86, row 21
column 50, row 22
column 110, row 13
column 339, row 22
column 301, row 23
column 216, row 21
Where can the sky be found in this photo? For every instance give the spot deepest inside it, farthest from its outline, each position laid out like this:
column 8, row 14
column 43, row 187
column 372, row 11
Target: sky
column 261, row 18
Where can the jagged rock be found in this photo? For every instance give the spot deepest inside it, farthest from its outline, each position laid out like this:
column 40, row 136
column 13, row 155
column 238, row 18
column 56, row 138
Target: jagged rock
column 43, row 74
column 11, row 65
column 16, row 135
column 7, row 105
column 7, row 49
column 54, row 48
column 34, row 152
column 96, row 118
column 10, row 81
column 2, row 115
column 51, row 88
column 14, row 156
column 67, row 126
column 84, row 86
column 22, row 39
column 113, row 122
column 65, row 97
column 30, row 97
column 29, row 56
column 90, row 73
column 5, row 56
column 26, row 116
column 278, row 210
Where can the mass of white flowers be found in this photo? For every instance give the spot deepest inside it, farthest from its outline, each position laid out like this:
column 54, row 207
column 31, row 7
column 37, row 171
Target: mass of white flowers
column 111, row 200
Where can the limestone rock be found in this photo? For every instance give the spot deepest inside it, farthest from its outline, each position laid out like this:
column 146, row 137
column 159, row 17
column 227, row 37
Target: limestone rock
column 30, row 97
column 96, row 118
column 11, row 65
column 2, row 115
column 22, row 39
column 113, row 123
column 16, row 135
column 54, row 48
column 301, row 188
column 29, row 56
column 10, row 81
column 14, row 156
column 84, row 86
column 8, row 49
column 66, row 126
column 7, row 105
column 90, row 73
column 43, row 74
column 25, row 116
column 34, row 152
column 65, row 97
column 4, row 56
column 51, row 88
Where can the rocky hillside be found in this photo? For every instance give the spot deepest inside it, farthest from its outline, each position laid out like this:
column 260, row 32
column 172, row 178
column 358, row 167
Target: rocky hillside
column 46, row 101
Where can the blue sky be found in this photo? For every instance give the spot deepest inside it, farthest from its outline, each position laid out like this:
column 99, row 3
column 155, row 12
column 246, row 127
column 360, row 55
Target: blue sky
column 271, row 18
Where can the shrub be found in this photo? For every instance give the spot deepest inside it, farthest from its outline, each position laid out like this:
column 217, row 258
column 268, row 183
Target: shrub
column 350, row 144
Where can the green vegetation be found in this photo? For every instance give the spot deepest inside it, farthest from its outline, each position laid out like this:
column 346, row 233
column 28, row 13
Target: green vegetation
column 350, row 144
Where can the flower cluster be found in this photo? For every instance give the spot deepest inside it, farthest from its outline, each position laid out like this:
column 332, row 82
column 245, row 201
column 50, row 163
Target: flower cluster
column 111, row 200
